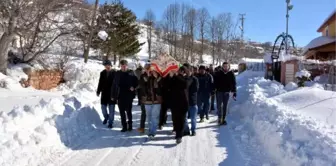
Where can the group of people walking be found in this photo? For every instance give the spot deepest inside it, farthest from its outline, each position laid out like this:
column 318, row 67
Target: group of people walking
column 187, row 92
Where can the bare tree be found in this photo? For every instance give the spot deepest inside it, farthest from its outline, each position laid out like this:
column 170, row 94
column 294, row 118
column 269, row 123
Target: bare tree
column 91, row 31
column 182, row 25
column 149, row 20
column 213, row 37
column 203, row 18
column 19, row 17
column 191, row 27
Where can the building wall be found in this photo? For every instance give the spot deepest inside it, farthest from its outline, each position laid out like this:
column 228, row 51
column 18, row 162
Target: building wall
column 331, row 29
column 285, row 76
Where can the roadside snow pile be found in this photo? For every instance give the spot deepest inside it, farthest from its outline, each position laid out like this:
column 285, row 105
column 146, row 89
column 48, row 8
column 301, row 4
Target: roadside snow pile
column 37, row 135
column 79, row 75
column 14, row 75
column 302, row 73
column 291, row 86
column 293, row 128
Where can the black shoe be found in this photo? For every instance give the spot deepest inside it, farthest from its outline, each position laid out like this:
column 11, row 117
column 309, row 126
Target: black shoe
column 186, row 133
column 207, row 117
column 110, row 126
column 224, row 123
column 193, row 133
column 130, row 128
column 105, row 121
column 123, row 130
column 160, row 127
column 202, row 120
column 178, row 140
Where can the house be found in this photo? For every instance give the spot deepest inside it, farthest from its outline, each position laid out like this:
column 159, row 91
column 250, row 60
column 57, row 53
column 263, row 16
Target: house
column 323, row 48
column 320, row 53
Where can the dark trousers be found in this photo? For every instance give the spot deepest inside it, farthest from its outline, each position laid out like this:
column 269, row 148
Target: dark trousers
column 163, row 114
column 125, row 107
column 222, row 104
column 179, row 117
column 203, row 105
column 139, row 96
column 143, row 116
column 212, row 106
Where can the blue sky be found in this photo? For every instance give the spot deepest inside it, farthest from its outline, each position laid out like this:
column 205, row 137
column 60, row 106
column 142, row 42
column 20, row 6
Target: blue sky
column 265, row 19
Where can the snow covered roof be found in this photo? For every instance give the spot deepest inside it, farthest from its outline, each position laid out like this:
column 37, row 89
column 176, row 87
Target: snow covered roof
column 326, row 21
column 319, row 41
column 282, row 57
column 251, row 60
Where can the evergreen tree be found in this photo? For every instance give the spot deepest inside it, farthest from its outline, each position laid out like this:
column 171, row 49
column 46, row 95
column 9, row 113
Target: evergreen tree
column 120, row 24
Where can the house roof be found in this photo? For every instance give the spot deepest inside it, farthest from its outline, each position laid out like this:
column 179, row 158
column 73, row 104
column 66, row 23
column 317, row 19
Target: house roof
column 317, row 42
column 331, row 18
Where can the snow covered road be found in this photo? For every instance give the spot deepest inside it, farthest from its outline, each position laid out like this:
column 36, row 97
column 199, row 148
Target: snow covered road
column 115, row 148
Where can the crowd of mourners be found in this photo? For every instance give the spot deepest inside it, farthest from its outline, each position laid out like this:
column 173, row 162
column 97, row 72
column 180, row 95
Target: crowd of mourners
column 188, row 92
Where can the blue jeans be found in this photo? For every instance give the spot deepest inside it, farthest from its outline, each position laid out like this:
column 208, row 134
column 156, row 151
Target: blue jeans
column 203, row 105
column 222, row 103
column 110, row 115
column 153, row 116
column 193, row 113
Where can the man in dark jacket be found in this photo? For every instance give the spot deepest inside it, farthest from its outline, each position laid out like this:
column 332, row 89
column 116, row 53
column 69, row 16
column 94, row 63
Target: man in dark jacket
column 225, row 83
column 104, row 88
column 166, row 100
column 212, row 98
column 192, row 87
column 179, row 102
column 124, row 91
column 205, row 81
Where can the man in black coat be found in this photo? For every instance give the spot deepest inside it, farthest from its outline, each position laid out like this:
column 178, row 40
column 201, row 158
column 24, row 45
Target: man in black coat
column 205, row 90
column 225, row 83
column 192, row 88
column 104, row 88
column 179, row 103
column 212, row 98
column 166, row 100
column 124, row 91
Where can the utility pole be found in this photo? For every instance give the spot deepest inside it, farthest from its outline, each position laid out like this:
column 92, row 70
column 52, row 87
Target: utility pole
column 288, row 8
column 242, row 19
column 89, row 40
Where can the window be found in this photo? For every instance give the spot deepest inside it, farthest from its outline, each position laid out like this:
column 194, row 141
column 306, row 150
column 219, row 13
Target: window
column 327, row 31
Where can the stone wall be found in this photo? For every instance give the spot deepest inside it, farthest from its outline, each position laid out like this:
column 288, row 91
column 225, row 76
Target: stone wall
column 43, row 79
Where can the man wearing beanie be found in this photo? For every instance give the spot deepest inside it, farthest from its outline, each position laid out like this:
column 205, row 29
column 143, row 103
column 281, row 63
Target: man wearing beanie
column 104, row 88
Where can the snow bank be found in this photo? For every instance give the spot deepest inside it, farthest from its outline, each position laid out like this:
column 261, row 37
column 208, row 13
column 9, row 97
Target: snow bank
column 14, row 75
column 79, row 75
column 293, row 128
column 37, row 134
column 291, row 86
column 31, row 134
